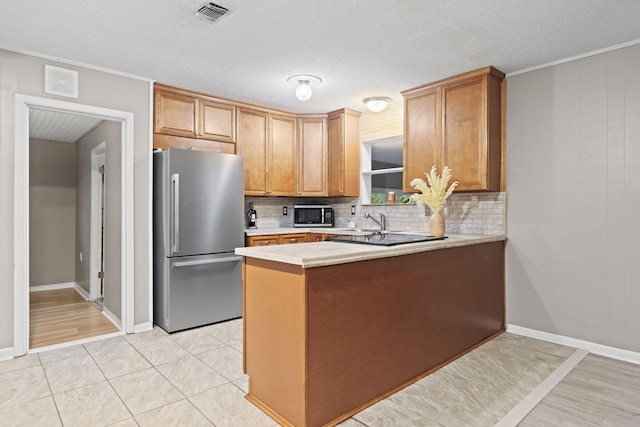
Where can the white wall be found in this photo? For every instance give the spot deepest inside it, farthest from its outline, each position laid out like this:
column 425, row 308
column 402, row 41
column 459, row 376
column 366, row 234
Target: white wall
column 573, row 194
column 24, row 74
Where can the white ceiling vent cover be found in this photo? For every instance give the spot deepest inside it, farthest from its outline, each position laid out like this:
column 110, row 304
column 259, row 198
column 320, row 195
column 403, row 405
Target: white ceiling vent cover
column 60, row 81
column 212, row 12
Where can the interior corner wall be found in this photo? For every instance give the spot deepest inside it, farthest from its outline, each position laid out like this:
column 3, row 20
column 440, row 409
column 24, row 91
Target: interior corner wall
column 24, row 74
column 573, row 135
column 52, row 212
column 110, row 133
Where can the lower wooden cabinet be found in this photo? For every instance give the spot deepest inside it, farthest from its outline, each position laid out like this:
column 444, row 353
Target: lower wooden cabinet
column 263, row 240
column 315, row 237
column 279, row 239
column 293, row 238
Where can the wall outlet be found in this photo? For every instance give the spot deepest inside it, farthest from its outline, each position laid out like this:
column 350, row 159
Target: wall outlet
column 474, row 201
column 353, row 210
column 285, row 211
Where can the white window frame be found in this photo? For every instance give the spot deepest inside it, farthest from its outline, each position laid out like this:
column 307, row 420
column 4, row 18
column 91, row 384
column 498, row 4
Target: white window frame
column 366, row 172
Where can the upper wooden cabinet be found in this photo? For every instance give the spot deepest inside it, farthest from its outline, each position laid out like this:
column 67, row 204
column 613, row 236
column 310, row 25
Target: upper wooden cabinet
column 281, row 156
column 344, row 153
column 189, row 115
column 312, row 155
column 422, row 114
column 253, row 134
column 268, row 144
column 456, row 123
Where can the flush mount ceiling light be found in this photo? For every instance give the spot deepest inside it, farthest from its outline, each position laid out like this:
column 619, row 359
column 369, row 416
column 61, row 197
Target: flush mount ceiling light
column 376, row 103
column 304, row 82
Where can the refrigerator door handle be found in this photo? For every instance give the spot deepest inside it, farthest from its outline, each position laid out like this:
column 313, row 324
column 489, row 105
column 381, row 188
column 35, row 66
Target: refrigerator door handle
column 207, row 261
column 175, row 182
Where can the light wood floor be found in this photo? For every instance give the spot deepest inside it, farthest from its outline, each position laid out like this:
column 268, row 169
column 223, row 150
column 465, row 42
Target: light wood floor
column 598, row 392
column 62, row 315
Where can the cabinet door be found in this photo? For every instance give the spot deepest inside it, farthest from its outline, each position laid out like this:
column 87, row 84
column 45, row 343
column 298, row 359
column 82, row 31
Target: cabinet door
column 315, row 237
column 176, row 114
column 351, row 186
column 263, row 240
column 344, row 153
column 464, row 132
column 336, row 156
column 421, row 135
column 286, row 239
column 281, row 157
column 252, row 143
column 218, row 121
column 312, row 155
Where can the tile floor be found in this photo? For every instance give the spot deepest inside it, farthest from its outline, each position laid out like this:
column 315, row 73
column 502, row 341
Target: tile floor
column 195, row 378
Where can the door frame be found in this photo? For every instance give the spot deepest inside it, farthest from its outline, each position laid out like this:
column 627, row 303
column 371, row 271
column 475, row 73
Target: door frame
column 21, row 209
column 95, row 240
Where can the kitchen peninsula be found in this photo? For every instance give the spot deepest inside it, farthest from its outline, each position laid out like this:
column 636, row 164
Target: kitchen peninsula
column 331, row 328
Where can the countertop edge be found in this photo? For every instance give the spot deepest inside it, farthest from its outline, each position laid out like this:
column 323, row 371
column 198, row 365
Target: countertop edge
column 319, row 254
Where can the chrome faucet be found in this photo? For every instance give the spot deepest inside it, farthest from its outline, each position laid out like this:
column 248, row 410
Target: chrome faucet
column 382, row 223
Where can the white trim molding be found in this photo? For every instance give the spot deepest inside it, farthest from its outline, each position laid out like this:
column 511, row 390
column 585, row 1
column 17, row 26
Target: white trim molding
column 599, row 349
column 6, row 353
column 112, row 317
column 95, row 229
column 52, row 287
column 76, row 342
column 574, row 58
column 21, row 209
column 82, row 292
column 143, row 327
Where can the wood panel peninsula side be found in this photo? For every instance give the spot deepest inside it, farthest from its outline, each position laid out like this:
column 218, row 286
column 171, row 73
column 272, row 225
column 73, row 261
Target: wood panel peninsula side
column 331, row 328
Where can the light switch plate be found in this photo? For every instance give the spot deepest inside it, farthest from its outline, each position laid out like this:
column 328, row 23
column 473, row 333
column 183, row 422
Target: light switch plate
column 474, row 201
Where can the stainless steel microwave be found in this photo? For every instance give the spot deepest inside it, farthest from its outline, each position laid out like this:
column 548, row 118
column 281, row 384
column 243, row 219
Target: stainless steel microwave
column 312, row 216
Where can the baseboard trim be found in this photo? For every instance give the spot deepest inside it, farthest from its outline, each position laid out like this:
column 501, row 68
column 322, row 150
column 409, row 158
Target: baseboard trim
column 599, row 349
column 52, row 287
column 84, row 294
column 6, row 353
column 112, row 317
column 526, row 405
column 142, row 327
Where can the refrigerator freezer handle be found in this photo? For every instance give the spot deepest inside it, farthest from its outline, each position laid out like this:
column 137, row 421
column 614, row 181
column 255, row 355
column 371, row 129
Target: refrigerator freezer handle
column 207, row 261
column 175, row 182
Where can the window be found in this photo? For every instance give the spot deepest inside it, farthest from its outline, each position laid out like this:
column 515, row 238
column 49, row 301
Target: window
column 382, row 171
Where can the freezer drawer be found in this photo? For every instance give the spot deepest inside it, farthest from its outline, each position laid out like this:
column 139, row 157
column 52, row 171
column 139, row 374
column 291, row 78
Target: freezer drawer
column 198, row 290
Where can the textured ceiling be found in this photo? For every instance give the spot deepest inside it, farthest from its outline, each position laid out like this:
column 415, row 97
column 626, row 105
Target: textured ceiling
column 359, row 48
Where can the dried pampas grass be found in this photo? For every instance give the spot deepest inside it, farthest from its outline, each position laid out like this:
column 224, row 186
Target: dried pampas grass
column 434, row 194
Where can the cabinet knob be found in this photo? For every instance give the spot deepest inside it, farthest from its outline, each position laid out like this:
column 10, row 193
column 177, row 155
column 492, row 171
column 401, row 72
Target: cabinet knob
column 294, row 240
column 265, row 242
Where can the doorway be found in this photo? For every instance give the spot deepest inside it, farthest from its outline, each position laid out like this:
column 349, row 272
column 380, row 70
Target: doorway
column 97, row 254
column 21, row 210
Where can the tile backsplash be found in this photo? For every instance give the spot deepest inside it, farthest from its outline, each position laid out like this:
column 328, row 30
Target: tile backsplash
column 461, row 218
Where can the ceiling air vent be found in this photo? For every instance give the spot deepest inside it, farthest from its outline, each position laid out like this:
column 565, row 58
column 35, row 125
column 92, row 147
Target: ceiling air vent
column 212, row 12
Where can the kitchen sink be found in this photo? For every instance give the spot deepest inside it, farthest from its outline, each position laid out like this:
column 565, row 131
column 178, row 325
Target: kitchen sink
column 384, row 238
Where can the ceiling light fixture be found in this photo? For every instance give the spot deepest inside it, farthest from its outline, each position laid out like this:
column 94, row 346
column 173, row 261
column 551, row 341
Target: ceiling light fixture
column 304, row 82
column 376, row 103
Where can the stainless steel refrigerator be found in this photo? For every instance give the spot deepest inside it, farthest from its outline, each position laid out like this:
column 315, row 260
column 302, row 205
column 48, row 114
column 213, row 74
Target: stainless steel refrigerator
column 198, row 221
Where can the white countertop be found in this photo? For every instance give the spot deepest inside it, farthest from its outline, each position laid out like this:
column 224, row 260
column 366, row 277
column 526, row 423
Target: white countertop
column 317, row 254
